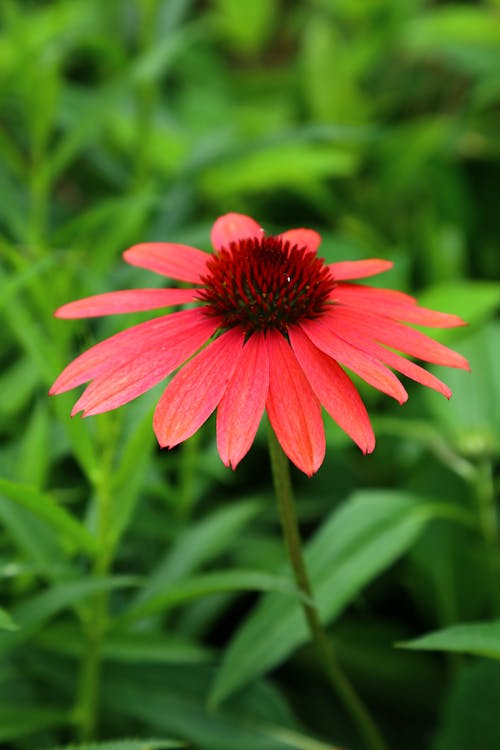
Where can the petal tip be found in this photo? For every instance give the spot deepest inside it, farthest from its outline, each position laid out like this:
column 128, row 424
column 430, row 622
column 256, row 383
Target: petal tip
column 232, row 227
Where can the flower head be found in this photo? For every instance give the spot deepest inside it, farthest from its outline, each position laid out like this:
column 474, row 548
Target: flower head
column 270, row 327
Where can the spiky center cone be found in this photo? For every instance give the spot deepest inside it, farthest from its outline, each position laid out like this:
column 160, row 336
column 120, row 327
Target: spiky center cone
column 262, row 284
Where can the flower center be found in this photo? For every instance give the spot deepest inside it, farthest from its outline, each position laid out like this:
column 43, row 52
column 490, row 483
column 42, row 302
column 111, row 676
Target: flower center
column 262, row 284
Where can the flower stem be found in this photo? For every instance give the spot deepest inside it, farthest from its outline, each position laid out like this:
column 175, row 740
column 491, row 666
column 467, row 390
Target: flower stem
column 334, row 673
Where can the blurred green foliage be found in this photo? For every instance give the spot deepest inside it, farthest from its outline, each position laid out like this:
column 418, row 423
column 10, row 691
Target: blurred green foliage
column 131, row 577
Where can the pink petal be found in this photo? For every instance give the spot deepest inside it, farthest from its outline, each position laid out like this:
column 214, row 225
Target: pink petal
column 175, row 261
column 124, row 346
column 335, row 390
column 233, row 227
column 117, row 386
column 384, row 302
column 368, row 368
column 302, row 238
column 133, row 300
column 397, row 336
column 359, row 269
column 242, row 405
column 293, row 409
column 195, row 391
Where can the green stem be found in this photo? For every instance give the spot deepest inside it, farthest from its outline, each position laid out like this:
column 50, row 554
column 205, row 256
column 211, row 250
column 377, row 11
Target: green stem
column 87, row 702
column 484, row 492
column 352, row 702
column 485, row 497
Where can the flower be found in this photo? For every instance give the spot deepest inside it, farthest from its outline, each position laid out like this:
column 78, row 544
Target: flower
column 270, row 328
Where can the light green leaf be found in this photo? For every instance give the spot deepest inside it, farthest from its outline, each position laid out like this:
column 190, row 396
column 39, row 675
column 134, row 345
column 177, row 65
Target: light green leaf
column 474, row 301
column 43, row 506
column 358, row 541
column 6, row 621
column 477, row 638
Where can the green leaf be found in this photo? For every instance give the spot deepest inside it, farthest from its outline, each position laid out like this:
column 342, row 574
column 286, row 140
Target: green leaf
column 474, row 301
column 148, row 744
column 34, row 538
column 6, row 621
column 43, row 506
column 477, row 638
column 31, row 614
column 472, row 417
column 470, row 717
column 132, row 648
column 17, row 721
column 359, row 540
column 176, row 705
column 200, row 543
column 211, row 583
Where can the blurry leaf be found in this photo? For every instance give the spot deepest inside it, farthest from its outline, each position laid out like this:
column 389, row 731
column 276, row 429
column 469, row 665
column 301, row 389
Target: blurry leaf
column 211, row 583
column 454, row 26
column 247, row 26
column 472, row 416
column 176, row 705
column 68, row 639
column 37, row 541
column 470, row 718
column 200, row 543
column 6, row 621
column 296, row 740
column 35, row 611
column 359, row 540
column 148, row 744
column 282, row 166
column 330, row 71
column 33, row 459
column 129, row 477
column 478, row 638
column 17, row 383
column 43, row 506
column 474, row 301
column 17, row 721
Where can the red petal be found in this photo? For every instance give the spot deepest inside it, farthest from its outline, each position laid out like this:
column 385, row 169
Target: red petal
column 176, row 261
column 293, row 409
column 133, row 300
column 302, row 238
column 358, row 361
column 411, row 370
column 397, row 336
column 242, row 405
column 345, row 292
column 334, row 389
column 124, row 346
column 359, row 269
column 232, row 228
column 196, row 390
column 399, row 363
column 384, row 302
column 120, row 385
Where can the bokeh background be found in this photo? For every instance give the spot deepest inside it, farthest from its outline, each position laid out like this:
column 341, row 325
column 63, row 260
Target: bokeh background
column 132, row 578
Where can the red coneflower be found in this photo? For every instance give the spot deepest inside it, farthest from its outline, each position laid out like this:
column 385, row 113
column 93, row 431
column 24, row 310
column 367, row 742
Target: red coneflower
column 271, row 326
